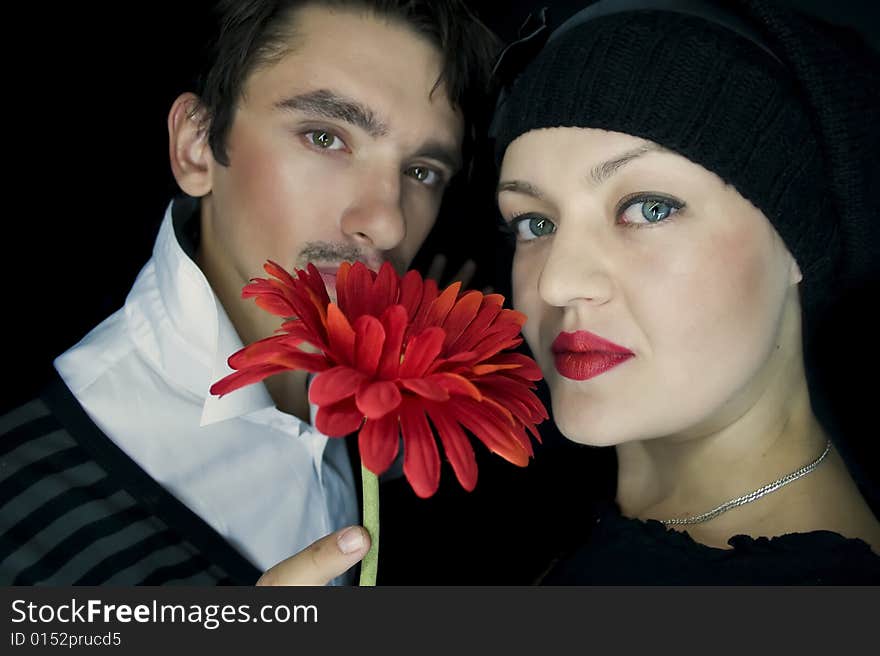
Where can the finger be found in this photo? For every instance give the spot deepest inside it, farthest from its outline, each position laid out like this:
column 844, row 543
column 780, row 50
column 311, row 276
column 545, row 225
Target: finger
column 465, row 273
column 438, row 265
column 321, row 561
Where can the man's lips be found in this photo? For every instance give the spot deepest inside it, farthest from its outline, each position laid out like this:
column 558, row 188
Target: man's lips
column 329, row 278
column 582, row 355
column 328, row 275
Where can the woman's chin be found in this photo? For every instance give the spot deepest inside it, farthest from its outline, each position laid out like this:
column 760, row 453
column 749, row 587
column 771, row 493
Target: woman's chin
column 578, row 428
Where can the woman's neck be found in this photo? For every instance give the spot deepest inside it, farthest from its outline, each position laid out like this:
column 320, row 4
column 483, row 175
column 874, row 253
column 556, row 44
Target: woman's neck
column 774, row 434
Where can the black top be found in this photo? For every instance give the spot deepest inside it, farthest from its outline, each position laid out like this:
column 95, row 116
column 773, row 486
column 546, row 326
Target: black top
column 623, row 551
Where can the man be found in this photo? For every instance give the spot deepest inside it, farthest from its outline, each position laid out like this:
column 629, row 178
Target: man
column 324, row 131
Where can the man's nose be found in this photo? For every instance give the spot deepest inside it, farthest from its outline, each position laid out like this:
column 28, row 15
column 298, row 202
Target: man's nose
column 374, row 219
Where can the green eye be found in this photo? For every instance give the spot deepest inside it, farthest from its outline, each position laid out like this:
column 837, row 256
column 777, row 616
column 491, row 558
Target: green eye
column 423, row 174
column 541, row 226
column 649, row 209
column 656, row 210
column 532, row 226
column 324, row 140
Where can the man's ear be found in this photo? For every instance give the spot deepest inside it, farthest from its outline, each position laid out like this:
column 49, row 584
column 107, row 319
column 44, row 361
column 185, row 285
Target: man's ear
column 191, row 159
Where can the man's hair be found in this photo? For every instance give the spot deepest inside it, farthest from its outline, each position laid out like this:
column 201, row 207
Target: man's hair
column 254, row 33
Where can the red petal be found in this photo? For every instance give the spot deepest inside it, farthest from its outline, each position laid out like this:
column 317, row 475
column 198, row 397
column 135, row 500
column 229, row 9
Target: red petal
column 411, row 293
column 378, row 443
column 497, row 339
column 275, row 351
column 368, row 342
column 335, row 384
column 459, row 358
column 527, row 369
column 441, row 307
column 493, row 430
column 313, row 280
column 512, row 316
column 341, row 286
column 457, row 446
column 384, row 292
column 339, row 419
column 457, row 385
column 461, row 315
column 504, row 413
column 273, row 304
column 483, row 369
column 525, row 407
column 244, row 377
column 278, row 271
column 421, row 352
column 429, row 294
column 426, row 388
column 421, row 460
column 303, row 361
column 270, row 295
column 297, row 332
column 290, row 296
column 262, row 351
column 394, row 321
column 313, row 318
column 473, row 333
column 377, row 399
column 358, row 286
column 341, row 335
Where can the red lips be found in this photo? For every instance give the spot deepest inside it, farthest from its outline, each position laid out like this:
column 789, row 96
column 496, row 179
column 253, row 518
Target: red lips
column 582, row 355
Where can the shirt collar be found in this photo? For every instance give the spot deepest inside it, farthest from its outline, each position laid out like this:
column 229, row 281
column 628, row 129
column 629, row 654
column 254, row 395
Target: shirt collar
column 199, row 333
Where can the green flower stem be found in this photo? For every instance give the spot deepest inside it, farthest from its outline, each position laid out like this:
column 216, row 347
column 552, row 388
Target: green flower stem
column 370, row 563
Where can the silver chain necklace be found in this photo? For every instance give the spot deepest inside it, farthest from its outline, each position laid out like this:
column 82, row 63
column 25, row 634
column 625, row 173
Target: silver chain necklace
column 751, row 496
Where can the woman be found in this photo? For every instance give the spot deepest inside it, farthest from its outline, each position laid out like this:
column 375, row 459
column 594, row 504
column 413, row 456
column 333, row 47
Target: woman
column 683, row 186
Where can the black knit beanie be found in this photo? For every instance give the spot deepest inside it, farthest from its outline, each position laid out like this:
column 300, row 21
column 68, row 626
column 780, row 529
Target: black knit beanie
column 784, row 108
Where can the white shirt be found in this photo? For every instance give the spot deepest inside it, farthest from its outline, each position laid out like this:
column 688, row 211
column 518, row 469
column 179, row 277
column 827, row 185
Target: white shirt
column 266, row 481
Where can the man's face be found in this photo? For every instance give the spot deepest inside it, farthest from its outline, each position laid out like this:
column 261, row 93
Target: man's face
column 337, row 151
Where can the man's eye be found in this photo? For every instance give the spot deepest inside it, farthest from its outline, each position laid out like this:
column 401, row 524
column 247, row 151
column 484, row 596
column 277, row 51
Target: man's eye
column 649, row 209
column 325, row 140
column 527, row 227
column 424, row 175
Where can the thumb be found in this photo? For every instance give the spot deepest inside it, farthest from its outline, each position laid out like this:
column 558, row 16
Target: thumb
column 322, row 560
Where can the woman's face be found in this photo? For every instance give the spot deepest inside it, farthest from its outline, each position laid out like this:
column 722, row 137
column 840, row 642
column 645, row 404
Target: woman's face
column 657, row 297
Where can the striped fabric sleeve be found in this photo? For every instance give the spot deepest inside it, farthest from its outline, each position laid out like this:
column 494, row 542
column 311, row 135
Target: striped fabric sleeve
column 74, row 510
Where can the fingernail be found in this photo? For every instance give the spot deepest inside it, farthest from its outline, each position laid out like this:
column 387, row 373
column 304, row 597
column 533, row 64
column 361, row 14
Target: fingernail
column 350, row 540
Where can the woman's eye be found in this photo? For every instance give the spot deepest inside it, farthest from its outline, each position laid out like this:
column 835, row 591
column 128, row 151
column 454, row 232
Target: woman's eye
column 424, row 175
column 649, row 209
column 531, row 226
column 325, row 140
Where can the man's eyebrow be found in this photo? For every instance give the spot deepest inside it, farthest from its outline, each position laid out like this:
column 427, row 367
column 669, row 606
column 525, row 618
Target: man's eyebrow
column 328, row 104
column 601, row 172
column 448, row 156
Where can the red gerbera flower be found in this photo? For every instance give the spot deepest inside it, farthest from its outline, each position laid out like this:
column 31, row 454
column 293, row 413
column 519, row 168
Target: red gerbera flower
column 396, row 357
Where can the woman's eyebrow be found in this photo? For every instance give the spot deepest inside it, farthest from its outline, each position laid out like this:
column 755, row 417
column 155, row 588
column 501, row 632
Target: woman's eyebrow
column 601, row 172
column 598, row 174
column 520, row 187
